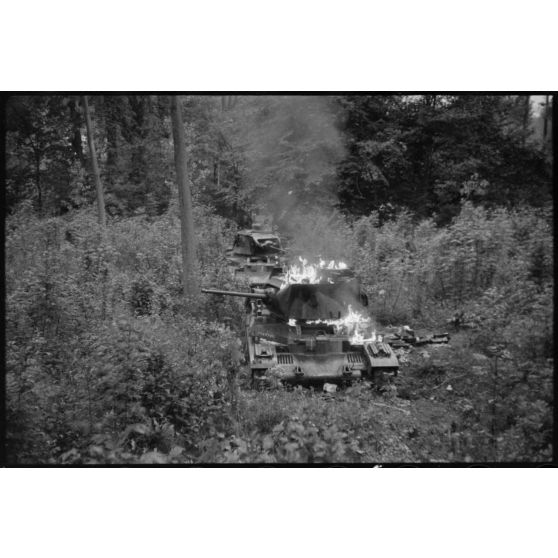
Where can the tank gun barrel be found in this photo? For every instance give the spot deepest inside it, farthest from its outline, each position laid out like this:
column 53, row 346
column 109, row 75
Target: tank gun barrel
column 261, row 296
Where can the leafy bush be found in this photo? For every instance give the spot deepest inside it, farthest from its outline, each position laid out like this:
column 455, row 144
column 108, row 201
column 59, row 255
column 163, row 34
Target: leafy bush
column 291, row 441
column 418, row 271
column 103, row 352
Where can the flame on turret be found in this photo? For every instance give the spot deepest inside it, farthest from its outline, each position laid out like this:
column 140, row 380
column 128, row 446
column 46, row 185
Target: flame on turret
column 355, row 325
column 310, row 273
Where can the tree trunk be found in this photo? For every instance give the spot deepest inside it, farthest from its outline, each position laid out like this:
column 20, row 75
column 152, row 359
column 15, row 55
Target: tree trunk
column 38, row 181
column 217, row 174
column 189, row 263
column 76, row 125
column 94, row 166
column 526, row 113
column 545, row 120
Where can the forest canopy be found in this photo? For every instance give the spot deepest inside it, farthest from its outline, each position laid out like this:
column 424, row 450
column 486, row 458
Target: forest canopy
column 356, row 153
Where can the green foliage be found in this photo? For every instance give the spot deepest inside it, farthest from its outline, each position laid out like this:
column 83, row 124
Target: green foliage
column 414, row 270
column 303, row 426
column 272, row 437
column 43, row 158
column 292, row 441
column 106, row 363
column 280, row 153
column 429, row 152
column 501, row 406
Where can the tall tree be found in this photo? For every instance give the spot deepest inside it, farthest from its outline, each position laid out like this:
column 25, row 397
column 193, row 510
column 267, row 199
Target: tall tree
column 94, row 165
column 40, row 159
column 189, row 262
column 526, row 118
column 546, row 116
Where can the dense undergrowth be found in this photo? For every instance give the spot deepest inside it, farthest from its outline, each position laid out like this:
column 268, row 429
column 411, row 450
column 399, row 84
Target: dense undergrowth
column 107, row 363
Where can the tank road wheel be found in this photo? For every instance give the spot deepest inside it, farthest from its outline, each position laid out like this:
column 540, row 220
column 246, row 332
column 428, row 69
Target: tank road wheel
column 257, row 383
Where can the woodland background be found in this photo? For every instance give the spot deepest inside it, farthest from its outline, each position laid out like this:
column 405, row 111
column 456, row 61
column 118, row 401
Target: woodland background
column 442, row 203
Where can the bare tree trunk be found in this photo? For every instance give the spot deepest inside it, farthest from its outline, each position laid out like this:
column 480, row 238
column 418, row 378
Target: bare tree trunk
column 75, row 117
column 545, row 121
column 189, row 262
column 38, row 181
column 94, row 165
column 526, row 113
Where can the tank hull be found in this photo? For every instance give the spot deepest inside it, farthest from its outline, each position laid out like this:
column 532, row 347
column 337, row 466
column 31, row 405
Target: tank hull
column 255, row 256
column 295, row 356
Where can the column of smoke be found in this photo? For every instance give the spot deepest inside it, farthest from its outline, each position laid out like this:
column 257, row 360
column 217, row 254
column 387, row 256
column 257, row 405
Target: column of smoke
column 294, row 146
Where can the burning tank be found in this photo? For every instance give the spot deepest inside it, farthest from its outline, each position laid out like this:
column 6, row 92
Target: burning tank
column 256, row 255
column 313, row 327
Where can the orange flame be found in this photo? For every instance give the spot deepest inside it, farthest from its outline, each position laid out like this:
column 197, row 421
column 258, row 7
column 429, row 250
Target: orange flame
column 354, row 324
column 309, row 273
column 332, row 265
column 359, row 339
